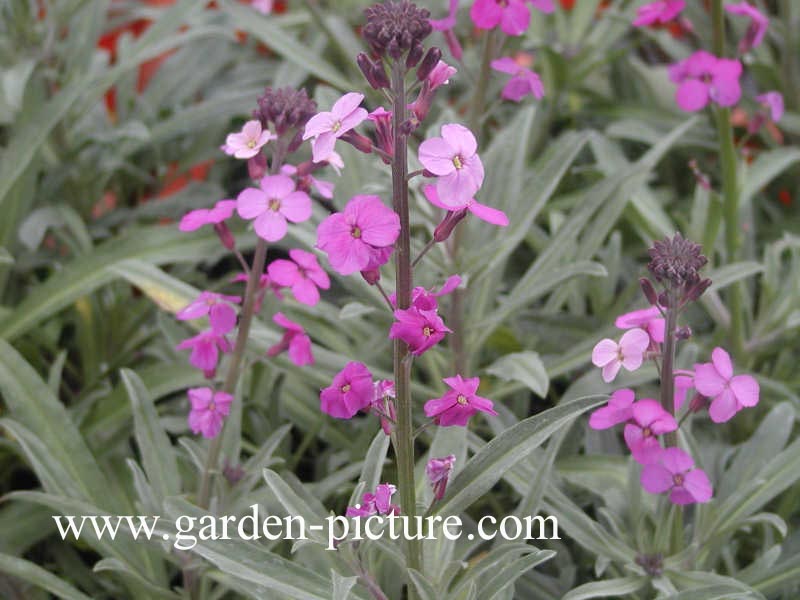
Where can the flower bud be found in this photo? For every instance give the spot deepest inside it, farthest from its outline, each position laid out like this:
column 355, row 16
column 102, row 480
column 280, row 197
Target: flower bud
column 683, row 333
column 371, row 276
column 698, row 403
column 358, row 141
column 365, row 64
column 694, row 292
column 445, row 228
column 414, row 54
column 649, row 291
column 428, row 63
column 257, row 166
column 225, row 235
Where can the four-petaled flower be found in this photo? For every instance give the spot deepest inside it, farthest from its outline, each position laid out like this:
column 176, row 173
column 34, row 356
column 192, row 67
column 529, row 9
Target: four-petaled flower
column 383, row 404
column 302, row 274
column 772, row 101
column 649, row 319
column 209, row 409
column 420, row 329
column 491, row 215
column 327, row 127
column 205, row 347
column 438, row 472
column 513, row 16
column 661, row 12
column 272, row 205
column 756, row 30
column 295, row 340
column 649, row 420
column 379, row 503
column 350, row 391
column 458, row 404
column 523, row 81
column 674, row 472
column 249, row 141
column 221, row 315
column 618, row 410
column 703, row 78
column 729, row 394
column 425, row 299
column 628, row 353
column 446, row 26
column 195, row 219
column 453, row 160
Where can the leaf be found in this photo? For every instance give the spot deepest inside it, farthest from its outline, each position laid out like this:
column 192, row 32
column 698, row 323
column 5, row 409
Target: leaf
column 725, row 276
column 510, row 572
column 425, row 589
column 341, row 586
column 373, row 463
column 614, row 588
column 524, row 367
column 36, row 575
column 491, row 462
column 296, row 506
column 766, row 167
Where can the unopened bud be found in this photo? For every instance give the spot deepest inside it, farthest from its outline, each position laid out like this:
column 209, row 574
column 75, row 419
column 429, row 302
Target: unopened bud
column 683, row 333
column 698, row 403
column 694, row 293
column 409, row 126
column 445, row 228
column 649, row 291
column 432, row 58
column 414, row 54
column 225, row 235
column 296, row 142
column 371, row 276
column 380, row 76
column 663, row 300
column 358, row 141
column 371, row 71
column 257, row 166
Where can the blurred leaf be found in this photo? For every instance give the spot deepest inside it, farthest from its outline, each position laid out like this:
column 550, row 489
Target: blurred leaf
column 37, row 576
column 525, row 367
column 613, row 588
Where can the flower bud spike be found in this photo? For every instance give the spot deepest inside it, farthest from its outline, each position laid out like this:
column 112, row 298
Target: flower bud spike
column 432, row 58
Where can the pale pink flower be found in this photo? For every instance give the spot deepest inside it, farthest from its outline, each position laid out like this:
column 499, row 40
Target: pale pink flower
column 308, row 182
column 446, row 26
column 491, row 215
column 438, row 472
column 729, row 394
column 263, row 6
column 295, row 340
column 458, row 404
column 273, row 205
column 452, row 158
column 195, row 219
column 221, row 315
column 618, row 410
column 420, row 329
column 209, row 409
column 352, row 237
column 704, row 78
column 513, row 16
column 439, row 76
column 249, row 141
column 759, row 23
column 383, row 130
column 773, row 102
column 383, row 404
column 523, row 81
column 649, row 319
column 302, row 274
column 675, row 473
column 206, row 347
column 661, row 12
column 327, row 127
column 350, row 391
column 628, row 353
column 379, row 503
column 649, row 421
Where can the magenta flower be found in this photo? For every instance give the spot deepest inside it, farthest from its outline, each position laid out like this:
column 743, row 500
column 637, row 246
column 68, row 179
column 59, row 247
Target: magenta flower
column 729, row 394
column 759, row 23
column 264, row 283
column 420, row 329
column 209, row 409
column 195, row 219
column 351, row 391
column 446, row 26
column 453, row 160
column 618, row 410
column 378, row 503
column 649, row 319
column 439, row 76
column 383, row 404
column 628, row 353
column 773, row 102
column 513, row 16
column 217, row 307
column 383, row 130
column 302, row 274
column 352, row 237
column 377, row 258
column 675, row 473
column 205, row 348
column 649, row 421
column 248, row 142
column 272, row 205
column 523, row 81
column 457, row 405
column 438, row 472
column 683, row 383
column 308, row 182
column 327, row 127
column 704, row 78
column 661, row 12
column 424, row 299
column 295, row 340
column 484, row 213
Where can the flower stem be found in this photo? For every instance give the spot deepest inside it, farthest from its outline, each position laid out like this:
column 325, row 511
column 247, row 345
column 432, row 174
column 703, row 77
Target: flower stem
column 668, row 366
column 404, row 446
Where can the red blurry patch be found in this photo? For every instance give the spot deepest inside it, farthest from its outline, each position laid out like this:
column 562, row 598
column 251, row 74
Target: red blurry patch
column 785, row 197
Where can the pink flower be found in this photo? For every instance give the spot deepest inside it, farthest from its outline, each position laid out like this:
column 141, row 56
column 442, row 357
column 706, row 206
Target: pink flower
column 352, row 237
column 759, row 23
column 649, row 319
column 661, row 12
column 446, row 26
column 377, row 503
column 377, row 258
column 523, row 80
column 439, row 76
column 772, row 101
column 308, row 181
column 272, row 205
column 264, row 283
column 618, row 410
column 383, row 404
column 483, row 212
column 420, row 329
column 453, row 160
column 456, row 406
column 327, row 127
column 263, row 6
column 206, row 347
column 248, row 142
column 195, row 219
column 295, row 340
column 513, row 16
column 209, row 409
column 383, row 129
column 424, row 299
column 649, row 421
column 629, row 353
column 303, row 274
column 729, row 393
column 703, row 77
column 675, row 473
column 683, row 383
column 351, row 391
column 438, row 472
column 221, row 314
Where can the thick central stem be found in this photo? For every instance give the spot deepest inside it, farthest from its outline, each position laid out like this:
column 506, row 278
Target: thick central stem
column 404, row 440
column 668, row 366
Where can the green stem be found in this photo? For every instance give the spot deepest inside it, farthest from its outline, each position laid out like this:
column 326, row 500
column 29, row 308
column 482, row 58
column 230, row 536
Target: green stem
column 668, row 366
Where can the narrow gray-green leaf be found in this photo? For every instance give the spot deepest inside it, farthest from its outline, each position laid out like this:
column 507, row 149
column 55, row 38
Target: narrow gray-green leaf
column 524, row 367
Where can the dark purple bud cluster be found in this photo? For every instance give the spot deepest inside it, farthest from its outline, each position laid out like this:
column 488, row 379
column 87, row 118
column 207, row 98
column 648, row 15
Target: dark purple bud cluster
column 285, row 109
column 675, row 263
column 395, row 28
column 374, row 71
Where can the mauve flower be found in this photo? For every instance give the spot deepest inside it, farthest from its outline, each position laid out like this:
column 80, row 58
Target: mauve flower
column 205, row 348
column 661, row 12
column 649, row 319
column 209, row 409
column 491, row 215
column 377, row 258
column 446, row 26
column 628, row 353
column 263, row 6
column 352, row 237
column 439, row 76
column 456, row 406
column 438, row 472
column 195, row 219
column 327, row 127
column 295, row 340
column 248, row 142
column 378, row 503
column 772, row 101
column 272, row 205
column 221, row 315
column 383, row 130
column 307, row 182
column 420, row 329
column 729, row 394
column 523, row 81
column 302, row 274
column 383, row 404
column 675, row 473
column 350, row 391
column 452, row 158
column 618, row 410
column 649, row 421
column 513, row 16
column 424, row 299
column 759, row 23
column 703, row 78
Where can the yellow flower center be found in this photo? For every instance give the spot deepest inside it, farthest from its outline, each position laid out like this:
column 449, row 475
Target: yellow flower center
column 251, row 143
column 356, row 232
column 212, row 407
column 427, row 331
column 461, row 399
column 345, row 388
column 647, row 432
column 275, row 204
column 336, row 126
column 457, row 162
column 677, row 479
